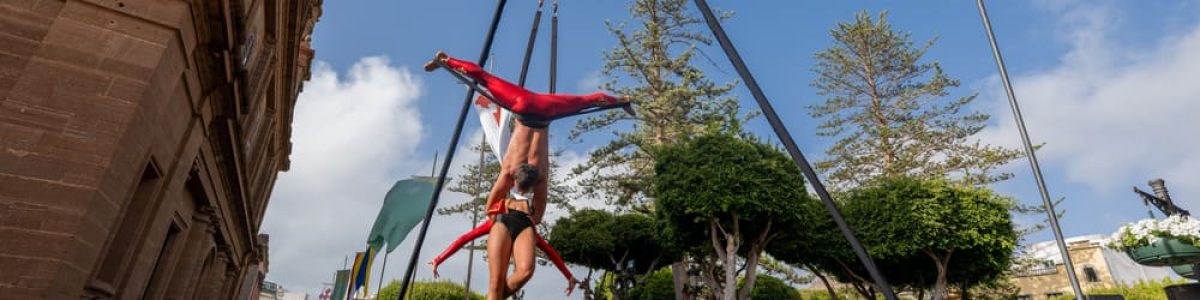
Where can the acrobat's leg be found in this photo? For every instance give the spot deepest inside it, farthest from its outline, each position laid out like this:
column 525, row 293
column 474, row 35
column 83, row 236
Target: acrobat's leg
column 523, row 260
column 556, row 106
column 507, row 95
column 479, row 231
column 499, row 248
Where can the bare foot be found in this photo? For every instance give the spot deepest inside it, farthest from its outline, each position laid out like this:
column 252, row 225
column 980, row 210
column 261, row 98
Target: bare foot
column 434, row 266
column 628, row 105
column 432, row 64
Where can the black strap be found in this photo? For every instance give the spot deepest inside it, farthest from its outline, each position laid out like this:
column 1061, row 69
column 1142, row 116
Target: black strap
column 437, row 190
column 554, row 49
column 797, row 156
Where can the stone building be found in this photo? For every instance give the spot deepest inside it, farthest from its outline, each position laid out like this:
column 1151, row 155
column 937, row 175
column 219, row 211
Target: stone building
column 1096, row 266
column 139, row 143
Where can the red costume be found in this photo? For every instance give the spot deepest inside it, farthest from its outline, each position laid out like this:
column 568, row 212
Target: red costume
column 483, row 229
column 531, row 107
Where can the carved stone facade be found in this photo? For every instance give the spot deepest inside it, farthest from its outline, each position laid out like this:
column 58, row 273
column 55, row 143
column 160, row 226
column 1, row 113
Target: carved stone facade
column 139, row 143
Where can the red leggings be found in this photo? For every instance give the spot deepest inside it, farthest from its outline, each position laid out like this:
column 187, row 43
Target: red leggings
column 483, row 229
column 529, row 104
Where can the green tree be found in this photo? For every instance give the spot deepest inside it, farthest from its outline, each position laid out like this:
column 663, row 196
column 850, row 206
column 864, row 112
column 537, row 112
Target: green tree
column 658, row 286
column 821, row 250
column 673, row 99
column 892, row 114
column 429, row 290
column 476, row 182
column 932, row 233
column 652, row 63
column 626, row 246
column 731, row 197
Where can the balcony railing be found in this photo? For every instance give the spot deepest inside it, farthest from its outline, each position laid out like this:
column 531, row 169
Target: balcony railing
column 1034, row 272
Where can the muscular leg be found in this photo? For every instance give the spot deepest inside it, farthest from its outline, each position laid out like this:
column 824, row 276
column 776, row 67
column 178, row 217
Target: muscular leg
column 509, row 95
column 499, row 249
column 523, row 258
column 524, row 102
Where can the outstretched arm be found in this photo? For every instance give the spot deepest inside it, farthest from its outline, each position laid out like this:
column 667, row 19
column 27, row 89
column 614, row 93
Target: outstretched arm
column 479, row 231
column 554, row 257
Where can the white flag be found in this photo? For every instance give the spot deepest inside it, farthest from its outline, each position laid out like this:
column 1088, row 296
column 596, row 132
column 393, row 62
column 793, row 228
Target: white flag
column 497, row 125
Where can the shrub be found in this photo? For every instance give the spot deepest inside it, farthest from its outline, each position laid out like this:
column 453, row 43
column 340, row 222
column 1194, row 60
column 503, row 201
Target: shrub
column 426, row 290
column 660, row 285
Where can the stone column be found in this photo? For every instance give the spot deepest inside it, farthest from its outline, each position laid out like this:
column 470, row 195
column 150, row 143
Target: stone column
column 209, row 286
column 229, row 281
column 196, row 247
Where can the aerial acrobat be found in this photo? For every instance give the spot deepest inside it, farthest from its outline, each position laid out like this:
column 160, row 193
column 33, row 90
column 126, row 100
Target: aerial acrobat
column 518, row 197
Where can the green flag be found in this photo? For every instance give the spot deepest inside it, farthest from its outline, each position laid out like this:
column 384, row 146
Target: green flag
column 340, row 282
column 403, row 207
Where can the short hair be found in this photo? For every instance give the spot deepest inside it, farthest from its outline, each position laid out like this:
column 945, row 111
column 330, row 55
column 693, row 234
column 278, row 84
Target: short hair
column 526, row 176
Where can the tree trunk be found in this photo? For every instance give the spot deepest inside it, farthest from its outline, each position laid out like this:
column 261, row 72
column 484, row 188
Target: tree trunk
column 730, row 265
column 679, row 272
column 751, row 272
column 719, row 253
column 861, row 285
column 588, row 294
column 756, row 248
column 828, row 287
column 943, row 264
column 709, row 273
column 964, row 291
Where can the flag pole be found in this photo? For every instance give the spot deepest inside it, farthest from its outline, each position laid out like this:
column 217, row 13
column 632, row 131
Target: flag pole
column 381, row 270
column 441, row 180
column 474, row 221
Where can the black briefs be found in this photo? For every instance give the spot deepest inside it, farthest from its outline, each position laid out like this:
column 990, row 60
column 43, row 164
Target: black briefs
column 516, row 221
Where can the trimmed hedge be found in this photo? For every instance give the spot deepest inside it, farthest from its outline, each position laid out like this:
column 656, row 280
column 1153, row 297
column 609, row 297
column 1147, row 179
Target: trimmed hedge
column 426, row 290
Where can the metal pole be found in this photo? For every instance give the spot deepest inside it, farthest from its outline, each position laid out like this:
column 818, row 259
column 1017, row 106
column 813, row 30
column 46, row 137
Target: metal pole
column 382, row 269
column 797, row 156
column 1033, row 162
column 537, row 20
column 554, row 47
column 462, row 116
column 474, row 220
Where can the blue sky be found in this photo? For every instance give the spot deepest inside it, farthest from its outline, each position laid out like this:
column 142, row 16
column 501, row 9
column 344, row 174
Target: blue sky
column 1109, row 86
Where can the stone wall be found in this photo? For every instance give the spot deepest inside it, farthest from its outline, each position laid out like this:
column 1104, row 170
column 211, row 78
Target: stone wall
column 137, row 150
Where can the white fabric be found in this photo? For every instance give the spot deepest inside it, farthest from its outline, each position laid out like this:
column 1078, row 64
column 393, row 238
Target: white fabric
column 497, row 125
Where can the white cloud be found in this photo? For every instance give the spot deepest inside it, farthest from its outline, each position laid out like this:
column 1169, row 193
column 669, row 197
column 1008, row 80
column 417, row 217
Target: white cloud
column 352, row 137
column 1112, row 114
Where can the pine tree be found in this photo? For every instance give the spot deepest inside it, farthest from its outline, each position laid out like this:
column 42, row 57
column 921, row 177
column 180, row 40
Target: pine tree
column 892, row 113
column 673, row 99
column 476, row 182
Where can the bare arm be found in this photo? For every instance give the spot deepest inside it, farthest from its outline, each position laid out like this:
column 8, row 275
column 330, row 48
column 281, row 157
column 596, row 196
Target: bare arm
column 499, row 190
column 539, row 202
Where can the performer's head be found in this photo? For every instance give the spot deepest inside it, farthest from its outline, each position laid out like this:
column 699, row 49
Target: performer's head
column 526, row 176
